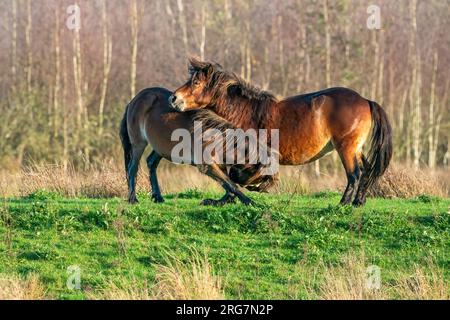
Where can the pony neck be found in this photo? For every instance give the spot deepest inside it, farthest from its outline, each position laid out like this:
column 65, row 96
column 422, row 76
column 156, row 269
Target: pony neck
column 244, row 112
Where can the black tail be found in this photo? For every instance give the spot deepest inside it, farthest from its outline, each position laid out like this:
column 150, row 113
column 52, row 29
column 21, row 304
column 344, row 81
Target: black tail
column 380, row 152
column 126, row 143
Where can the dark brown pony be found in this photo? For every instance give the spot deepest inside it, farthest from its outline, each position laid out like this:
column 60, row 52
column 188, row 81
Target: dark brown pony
column 149, row 119
column 310, row 125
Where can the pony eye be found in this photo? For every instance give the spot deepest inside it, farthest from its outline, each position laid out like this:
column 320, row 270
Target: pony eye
column 196, row 82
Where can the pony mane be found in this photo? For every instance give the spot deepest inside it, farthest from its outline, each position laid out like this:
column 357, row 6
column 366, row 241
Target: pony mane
column 220, row 79
column 209, row 119
column 233, row 98
column 247, row 90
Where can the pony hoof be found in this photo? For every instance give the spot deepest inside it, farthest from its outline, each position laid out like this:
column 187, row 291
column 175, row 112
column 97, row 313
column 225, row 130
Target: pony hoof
column 248, row 202
column 345, row 202
column 133, row 201
column 358, row 203
column 157, row 198
column 211, row 202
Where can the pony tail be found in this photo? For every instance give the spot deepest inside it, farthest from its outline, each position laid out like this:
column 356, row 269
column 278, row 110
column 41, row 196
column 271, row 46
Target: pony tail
column 380, row 152
column 126, row 143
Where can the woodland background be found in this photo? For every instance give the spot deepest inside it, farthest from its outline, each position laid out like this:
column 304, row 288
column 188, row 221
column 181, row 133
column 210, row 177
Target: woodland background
column 62, row 92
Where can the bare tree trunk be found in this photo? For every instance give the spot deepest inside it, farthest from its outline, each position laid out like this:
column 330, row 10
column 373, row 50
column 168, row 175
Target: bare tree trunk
column 408, row 142
column 327, row 63
column 171, row 43
column 203, row 39
column 78, row 77
column 284, row 74
column 228, row 17
column 348, row 11
column 65, row 116
column 401, row 113
column 57, row 76
column 248, row 53
column 432, row 117
column 376, row 62
column 417, row 116
column 267, row 70
column 402, row 125
column 107, row 55
column 80, row 89
column 392, row 93
column 246, row 60
column 439, row 121
column 302, row 53
column 243, row 47
column 182, row 21
column 28, row 45
column 134, row 46
column 14, row 44
column 415, row 86
column 364, row 63
column 327, row 44
column 380, row 91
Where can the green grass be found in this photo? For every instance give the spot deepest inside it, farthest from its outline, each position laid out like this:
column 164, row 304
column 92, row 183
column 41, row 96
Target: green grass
column 258, row 251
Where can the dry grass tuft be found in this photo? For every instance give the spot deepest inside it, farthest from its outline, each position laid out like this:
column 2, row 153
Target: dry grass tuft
column 16, row 288
column 424, row 285
column 400, row 182
column 348, row 281
column 124, row 289
column 292, row 181
column 192, row 280
column 105, row 182
column 94, row 183
column 109, row 181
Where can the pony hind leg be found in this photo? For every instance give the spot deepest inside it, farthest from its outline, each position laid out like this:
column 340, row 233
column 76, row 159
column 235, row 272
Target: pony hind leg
column 232, row 191
column 133, row 166
column 152, row 163
column 360, row 198
column 352, row 165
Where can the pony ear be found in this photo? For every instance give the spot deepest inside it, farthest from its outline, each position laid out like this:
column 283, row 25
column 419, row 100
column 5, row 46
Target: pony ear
column 195, row 64
column 209, row 70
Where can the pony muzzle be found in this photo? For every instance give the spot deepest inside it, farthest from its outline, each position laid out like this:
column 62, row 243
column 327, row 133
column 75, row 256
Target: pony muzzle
column 175, row 103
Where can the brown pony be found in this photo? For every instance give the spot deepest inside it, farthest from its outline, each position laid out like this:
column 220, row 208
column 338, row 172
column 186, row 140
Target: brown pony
column 310, row 125
column 149, row 119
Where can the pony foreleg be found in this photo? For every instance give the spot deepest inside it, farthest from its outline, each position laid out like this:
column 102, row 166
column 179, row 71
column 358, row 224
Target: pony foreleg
column 231, row 189
column 152, row 163
column 227, row 198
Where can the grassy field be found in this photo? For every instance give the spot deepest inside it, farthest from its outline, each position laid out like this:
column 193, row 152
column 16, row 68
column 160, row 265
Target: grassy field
column 287, row 247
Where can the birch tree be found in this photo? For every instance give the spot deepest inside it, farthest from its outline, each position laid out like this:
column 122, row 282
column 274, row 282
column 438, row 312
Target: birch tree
column 134, row 46
column 107, row 58
column 28, row 45
column 182, row 21
column 14, row 44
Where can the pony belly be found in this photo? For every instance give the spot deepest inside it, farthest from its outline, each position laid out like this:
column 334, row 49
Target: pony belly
column 305, row 153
